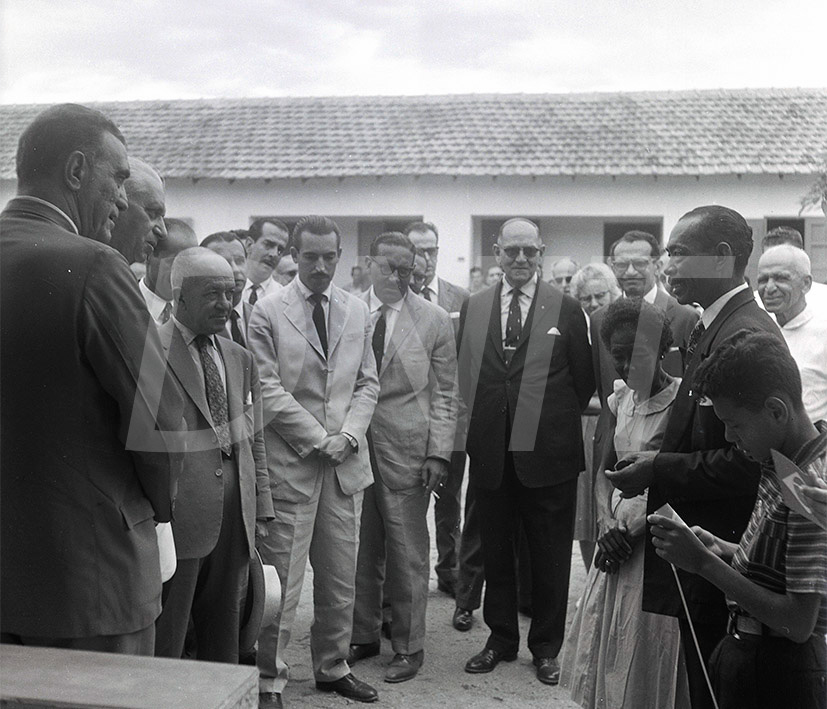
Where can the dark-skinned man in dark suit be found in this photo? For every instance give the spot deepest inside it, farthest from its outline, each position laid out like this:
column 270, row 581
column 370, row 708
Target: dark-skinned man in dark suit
column 707, row 479
column 525, row 375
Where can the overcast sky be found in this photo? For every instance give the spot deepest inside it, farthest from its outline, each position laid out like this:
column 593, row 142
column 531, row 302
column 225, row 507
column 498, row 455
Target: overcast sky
column 84, row 50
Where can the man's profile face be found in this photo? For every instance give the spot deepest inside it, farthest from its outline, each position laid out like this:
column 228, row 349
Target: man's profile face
column 140, row 228
column 205, row 302
column 690, row 269
column 263, row 254
column 518, row 251
column 781, row 287
column 102, row 196
column 426, row 244
column 634, row 267
column 419, row 274
column 233, row 253
column 159, row 263
column 390, row 271
column 316, row 257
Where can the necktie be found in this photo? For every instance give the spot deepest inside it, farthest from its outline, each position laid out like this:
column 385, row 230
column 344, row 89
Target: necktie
column 216, row 396
column 694, row 337
column 253, row 295
column 378, row 342
column 513, row 325
column 165, row 313
column 319, row 320
column 235, row 328
column 426, row 293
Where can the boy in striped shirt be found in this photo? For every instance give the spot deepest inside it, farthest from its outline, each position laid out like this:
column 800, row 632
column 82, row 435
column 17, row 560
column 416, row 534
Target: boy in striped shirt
column 775, row 578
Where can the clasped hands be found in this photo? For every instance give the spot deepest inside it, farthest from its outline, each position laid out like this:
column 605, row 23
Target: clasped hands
column 334, row 449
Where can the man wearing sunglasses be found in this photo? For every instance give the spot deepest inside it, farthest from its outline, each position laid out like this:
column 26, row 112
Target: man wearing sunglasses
column 266, row 242
column 447, row 509
column 410, row 439
column 525, row 375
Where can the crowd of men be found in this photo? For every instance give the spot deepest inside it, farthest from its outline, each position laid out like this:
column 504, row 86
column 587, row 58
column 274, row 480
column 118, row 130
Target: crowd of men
column 237, row 398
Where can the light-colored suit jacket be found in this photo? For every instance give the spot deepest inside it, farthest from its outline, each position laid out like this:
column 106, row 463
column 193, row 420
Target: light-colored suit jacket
column 200, row 502
column 307, row 396
column 416, row 416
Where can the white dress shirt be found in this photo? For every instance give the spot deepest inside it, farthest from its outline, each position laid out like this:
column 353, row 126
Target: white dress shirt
column 392, row 311
column 710, row 313
column 806, row 336
column 306, row 293
column 155, row 304
column 189, row 339
column 526, row 296
column 433, row 287
column 650, row 295
column 270, row 285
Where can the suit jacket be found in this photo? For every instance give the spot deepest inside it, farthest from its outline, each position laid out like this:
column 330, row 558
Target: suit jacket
column 416, row 415
column 84, row 466
column 704, row 477
column 199, row 509
column 536, row 402
column 307, row 396
column 451, row 297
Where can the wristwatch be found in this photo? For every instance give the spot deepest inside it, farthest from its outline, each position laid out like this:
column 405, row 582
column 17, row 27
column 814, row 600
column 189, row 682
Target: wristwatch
column 354, row 444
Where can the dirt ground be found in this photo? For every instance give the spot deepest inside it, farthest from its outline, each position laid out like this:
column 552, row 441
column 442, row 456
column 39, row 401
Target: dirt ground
column 442, row 681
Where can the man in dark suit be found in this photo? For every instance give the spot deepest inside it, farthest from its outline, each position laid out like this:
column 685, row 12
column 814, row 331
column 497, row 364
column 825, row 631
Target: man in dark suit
column 707, row 480
column 224, row 490
column 448, row 508
column 87, row 419
column 525, row 375
column 141, row 227
column 155, row 286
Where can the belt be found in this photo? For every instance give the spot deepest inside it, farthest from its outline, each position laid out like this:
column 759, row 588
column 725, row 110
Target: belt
column 740, row 624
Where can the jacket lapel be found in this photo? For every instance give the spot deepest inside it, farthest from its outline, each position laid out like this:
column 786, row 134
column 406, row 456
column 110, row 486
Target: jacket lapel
column 492, row 299
column 185, row 370
column 404, row 326
column 298, row 315
column 234, row 371
column 337, row 318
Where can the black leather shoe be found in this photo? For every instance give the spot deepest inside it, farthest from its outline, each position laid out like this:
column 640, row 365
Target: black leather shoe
column 548, row 669
column 350, row 687
column 404, row 667
column 446, row 588
column 463, row 619
column 270, row 700
column 487, row 660
column 362, row 651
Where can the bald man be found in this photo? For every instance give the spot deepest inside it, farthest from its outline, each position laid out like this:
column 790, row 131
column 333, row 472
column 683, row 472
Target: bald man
column 138, row 230
column 562, row 272
column 224, row 490
column 156, row 286
column 784, row 282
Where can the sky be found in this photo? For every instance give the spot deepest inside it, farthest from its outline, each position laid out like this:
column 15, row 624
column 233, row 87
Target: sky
column 112, row 50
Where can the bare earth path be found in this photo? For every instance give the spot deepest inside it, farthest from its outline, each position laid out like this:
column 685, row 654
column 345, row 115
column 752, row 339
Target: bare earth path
column 441, row 682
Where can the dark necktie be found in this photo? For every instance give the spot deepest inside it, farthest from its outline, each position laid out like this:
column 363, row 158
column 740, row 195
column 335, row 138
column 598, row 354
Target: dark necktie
column 165, row 313
column 426, row 293
column 216, row 396
column 319, row 320
column 379, row 330
column 513, row 326
column 235, row 328
column 253, row 295
column 694, row 338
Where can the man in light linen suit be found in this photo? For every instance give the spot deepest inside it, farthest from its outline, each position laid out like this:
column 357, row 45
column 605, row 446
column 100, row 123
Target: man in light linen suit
column 312, row 343
column 411, row 438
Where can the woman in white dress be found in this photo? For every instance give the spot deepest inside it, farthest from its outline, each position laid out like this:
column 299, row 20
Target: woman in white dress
column 617, row 655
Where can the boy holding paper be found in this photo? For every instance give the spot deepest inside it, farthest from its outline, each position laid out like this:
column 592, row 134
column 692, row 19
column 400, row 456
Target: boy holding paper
column 775, row 579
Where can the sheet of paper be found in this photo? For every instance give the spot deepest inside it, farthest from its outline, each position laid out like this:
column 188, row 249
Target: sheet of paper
column 788, row 474
column 667, row 511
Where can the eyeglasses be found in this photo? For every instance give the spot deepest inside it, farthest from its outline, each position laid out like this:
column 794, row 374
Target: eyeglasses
column 560, row 280
column 404, row 272
column 513, row 252
column 594, row 297
column 429, row 253
column 639, row 264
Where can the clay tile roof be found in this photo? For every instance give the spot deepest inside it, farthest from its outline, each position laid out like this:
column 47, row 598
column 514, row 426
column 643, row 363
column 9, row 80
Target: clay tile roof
column 749, row 131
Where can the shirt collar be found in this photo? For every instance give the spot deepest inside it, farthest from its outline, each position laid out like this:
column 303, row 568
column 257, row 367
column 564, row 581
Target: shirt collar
column 52, row 207
column 306, row 292
column 188, row 335
column 376, row 304
column 712, row 312
column 434, row 286
column 651, row 294
column 799, row 320
column 154, row 302
column 526, row 289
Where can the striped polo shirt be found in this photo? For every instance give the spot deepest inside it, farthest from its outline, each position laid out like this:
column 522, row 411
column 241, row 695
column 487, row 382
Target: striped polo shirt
column 781, row 550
